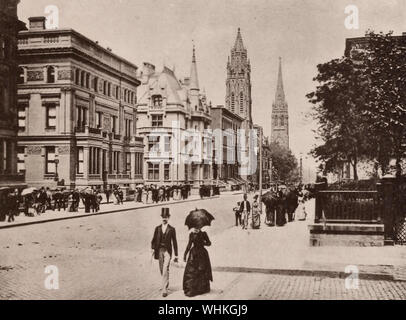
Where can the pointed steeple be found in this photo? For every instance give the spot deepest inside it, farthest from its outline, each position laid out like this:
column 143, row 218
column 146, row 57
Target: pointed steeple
column 280, row 93
column 239, row 46
column 194, row 80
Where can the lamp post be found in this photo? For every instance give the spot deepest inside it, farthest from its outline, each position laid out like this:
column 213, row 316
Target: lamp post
column 56, row 178
column 260, row 170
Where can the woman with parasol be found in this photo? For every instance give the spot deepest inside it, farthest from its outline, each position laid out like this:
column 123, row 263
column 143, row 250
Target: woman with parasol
column 198, row 273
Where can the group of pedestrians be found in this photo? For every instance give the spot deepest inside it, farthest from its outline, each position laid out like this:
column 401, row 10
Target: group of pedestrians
column 155, row 194
column 198, row 271
column 244, row 211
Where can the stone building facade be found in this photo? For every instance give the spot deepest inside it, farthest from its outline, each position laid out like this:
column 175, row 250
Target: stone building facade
column 9, row 28
column 76, row 111
column 168, row 111
column 226, row 168
column 280, row 114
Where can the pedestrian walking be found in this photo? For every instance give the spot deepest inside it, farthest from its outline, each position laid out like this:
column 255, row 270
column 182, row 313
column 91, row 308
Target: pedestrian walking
column 245, row 209
column 161, row 245
column 237, row 213
column 256, row 213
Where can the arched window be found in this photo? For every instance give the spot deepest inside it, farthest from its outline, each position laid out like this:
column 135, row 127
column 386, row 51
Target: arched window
column 232, row 102
column 21, row 75
column 241, row 102
column 50, row 74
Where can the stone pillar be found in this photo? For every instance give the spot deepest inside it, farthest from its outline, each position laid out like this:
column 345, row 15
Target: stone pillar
column 86, row 159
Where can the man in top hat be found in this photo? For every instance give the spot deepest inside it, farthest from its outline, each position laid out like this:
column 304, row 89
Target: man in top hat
column 161, row 244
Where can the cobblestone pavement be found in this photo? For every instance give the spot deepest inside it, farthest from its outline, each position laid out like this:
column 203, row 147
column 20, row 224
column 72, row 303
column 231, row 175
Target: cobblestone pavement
column 98, row 257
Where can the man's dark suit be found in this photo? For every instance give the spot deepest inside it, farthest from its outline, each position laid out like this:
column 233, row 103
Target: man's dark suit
column 248, row 206
column 168, row 241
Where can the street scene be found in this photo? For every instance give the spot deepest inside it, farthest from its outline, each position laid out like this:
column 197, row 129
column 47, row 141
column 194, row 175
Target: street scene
column 227, row 150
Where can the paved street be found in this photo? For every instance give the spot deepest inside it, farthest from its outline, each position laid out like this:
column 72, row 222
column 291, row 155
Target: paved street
column 108, row 257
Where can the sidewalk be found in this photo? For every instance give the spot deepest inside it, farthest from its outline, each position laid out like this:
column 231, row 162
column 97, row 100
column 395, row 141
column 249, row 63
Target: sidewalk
column 286, row 251
column 105, row 208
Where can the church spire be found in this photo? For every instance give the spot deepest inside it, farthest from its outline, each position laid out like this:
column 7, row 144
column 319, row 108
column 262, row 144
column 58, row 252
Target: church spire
column 280, row 93
column 194, row 80
column 239, row 46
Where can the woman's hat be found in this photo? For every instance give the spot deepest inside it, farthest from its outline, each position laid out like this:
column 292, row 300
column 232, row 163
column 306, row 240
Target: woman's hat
column 165, row 213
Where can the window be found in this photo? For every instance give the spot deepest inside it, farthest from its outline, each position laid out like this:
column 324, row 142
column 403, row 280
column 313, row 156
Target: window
column 153, row 143
column 157, row 120
column 116, row 156
column 113, row 124
column 21, row 118
column 77, row 76
column 109, row 89
column 51, row 116
column 128, row 127
column 87, row 84
column 166, row 171
column 50, row 160
column 282, row 121
column 81, row 117
column 128, row 162
column 153, row 171
column 2, row 48
column 157, row 101
column 138, row 163
column 4, row 150
column 99, row 116
column 232, row 103
column 167, row 144
column 79, row 160
column 50, row 75
column 21, row 76
column 241, row 102
column 2, row 97
column 117, row 92
column 95, row 84
column 82, row 78
column 20, row 159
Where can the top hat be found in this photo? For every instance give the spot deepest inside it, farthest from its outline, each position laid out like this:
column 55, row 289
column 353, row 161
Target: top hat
column 165, row 213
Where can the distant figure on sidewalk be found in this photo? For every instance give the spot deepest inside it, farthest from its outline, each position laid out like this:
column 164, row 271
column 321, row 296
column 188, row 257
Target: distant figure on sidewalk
column 256, row 213
column 245, row 209
column 161, row 245
column 198, row 273
column 237, row 213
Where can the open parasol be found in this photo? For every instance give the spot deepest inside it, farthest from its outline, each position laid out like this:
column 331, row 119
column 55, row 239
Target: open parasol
column 198, row 218
column 28, row 191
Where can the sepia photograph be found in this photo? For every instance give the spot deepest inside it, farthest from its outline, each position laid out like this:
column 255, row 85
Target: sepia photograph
column 202, row 150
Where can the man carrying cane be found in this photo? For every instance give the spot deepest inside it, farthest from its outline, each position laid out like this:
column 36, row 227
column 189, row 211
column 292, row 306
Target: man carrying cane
column 161, row 245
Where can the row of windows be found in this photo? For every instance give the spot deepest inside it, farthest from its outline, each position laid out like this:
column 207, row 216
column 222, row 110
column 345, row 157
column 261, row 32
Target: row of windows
column 279, row 121
column 81, row 119
column 94, row 165
column 50, row 75
column 84, row 79
column 154, row 144
column 154, row 171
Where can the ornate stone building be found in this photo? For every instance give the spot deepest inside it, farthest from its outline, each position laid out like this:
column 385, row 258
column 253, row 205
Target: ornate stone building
column 167, row 109
column 280, row 114
column 239, row 101
column 9, row 28
column 76, row 111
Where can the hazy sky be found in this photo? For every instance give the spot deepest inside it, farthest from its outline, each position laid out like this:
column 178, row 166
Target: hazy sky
column 303, row 33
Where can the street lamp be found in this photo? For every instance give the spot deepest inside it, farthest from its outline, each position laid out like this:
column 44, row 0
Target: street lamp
column 56, row 178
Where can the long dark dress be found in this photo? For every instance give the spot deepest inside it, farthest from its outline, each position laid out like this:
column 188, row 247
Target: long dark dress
column 198, row 274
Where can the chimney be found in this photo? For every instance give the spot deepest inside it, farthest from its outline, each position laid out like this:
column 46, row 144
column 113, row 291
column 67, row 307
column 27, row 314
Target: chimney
column 148, row 69
column 37, row 23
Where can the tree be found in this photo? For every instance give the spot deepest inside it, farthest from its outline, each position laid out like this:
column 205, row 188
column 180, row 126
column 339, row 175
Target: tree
column 284, row 164
column 385, row 108
column 338, row 102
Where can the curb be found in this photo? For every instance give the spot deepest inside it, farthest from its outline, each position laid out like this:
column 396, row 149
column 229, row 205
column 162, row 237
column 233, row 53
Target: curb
column 306, row 273
column 102, row 213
